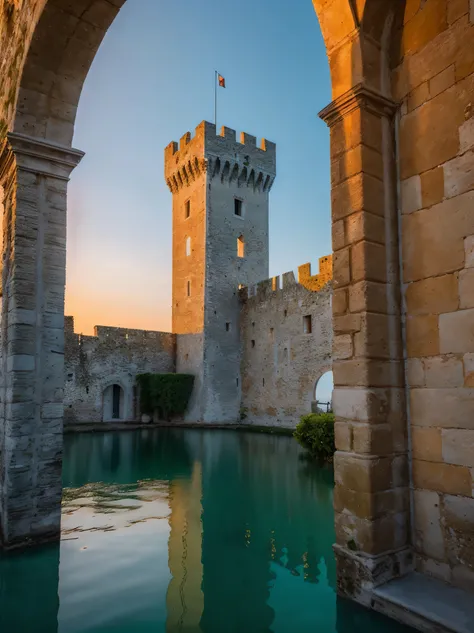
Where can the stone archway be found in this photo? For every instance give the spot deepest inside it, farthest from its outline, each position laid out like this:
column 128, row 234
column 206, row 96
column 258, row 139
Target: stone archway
column 49, row 49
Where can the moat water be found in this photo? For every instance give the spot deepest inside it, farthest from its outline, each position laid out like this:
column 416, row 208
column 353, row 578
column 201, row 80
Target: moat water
column 183, row 530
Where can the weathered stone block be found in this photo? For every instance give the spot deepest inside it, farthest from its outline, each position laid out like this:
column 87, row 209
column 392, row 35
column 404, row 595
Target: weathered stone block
column 466, row 288
column 361, row 473
column 342, row 347
column 469, row 250
column 418, row 96
column 426, row 443
column 415, row 372
column 433, row 239
column 373, row 536
column 466, row 135
column 410, row 190
column 459, row 175
column 458, row 446
column 468, row 362
column 342, row 268
column 443, row 372
column 426, row 24
column 456, row 9
column 372, row 439
column 442, row 81
column 368, row 262
column 432, row 186
column 371, row 296
column 458, row 521
column 339, row 302
column 433, row 295
column 456, row 332
column 368, row 373
column 443, row 408
column 429, row 535
column 422, row 336
column 365, row 226
column 447, row 478
column 343, row 436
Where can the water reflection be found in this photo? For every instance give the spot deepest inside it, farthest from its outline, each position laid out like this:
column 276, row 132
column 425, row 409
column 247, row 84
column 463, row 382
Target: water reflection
column 185, row 531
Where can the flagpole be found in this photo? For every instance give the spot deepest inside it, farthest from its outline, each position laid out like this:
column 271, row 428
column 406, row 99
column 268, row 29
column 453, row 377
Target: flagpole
column 215, row 99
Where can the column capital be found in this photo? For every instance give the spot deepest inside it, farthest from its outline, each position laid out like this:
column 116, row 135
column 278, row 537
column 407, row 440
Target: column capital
column 358, row 97
column 38, row 156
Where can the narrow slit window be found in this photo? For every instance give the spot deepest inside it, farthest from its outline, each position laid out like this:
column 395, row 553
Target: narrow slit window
column 307, row 324
column 240, row 246
column 187, row 209
column 188, row 246
column 227, row 327
column 253, row 343
column 188, row 288
column 238, row 207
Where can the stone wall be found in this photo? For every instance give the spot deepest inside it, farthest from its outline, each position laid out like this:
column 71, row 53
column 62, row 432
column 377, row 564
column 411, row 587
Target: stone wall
column 281, row 363
column 434, row 80
column 111, row 356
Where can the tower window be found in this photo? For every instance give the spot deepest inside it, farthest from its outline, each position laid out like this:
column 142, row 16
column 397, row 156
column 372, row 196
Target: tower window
column 188, row 288
column 240, row 246
column 238, row 207
column 307, row 324
column 227, row 327
column 188, row 246
column 187, row 209
column 253, row 343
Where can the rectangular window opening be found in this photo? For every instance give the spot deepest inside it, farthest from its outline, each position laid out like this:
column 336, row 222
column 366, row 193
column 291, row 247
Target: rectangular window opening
column 307, row 324
column 238, row 207
column 187, row 209
column 240, row 246
column 227, row 327
column 253, row 343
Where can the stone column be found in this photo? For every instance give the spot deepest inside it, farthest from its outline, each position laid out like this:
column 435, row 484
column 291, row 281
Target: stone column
column 371, row 471
column 33, row 175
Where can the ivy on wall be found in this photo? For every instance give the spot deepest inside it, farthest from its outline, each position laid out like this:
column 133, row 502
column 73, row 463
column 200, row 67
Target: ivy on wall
column 168, row 394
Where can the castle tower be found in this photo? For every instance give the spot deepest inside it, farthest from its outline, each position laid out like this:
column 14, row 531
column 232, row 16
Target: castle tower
column 220, row 193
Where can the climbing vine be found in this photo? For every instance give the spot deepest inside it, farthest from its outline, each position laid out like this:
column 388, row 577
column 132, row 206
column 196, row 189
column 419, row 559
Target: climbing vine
column 168, row 394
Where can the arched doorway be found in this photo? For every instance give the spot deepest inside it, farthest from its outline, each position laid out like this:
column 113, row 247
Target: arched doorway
column 113, row 403
column 322, row 396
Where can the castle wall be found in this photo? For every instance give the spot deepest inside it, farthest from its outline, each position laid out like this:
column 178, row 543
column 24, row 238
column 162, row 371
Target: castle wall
column 112, row 356
column 280, row 362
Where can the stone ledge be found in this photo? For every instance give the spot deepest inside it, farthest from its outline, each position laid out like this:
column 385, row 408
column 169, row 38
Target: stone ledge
column 426, row 604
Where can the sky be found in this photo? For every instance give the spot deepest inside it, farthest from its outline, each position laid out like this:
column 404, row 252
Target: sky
column 153, row 80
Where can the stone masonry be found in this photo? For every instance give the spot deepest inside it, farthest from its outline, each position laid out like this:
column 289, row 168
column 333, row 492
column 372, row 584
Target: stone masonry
column 113, row 356
column 281, row 360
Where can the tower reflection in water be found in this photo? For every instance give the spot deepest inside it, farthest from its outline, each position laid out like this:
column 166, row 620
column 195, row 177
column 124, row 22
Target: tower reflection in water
column 184, row 531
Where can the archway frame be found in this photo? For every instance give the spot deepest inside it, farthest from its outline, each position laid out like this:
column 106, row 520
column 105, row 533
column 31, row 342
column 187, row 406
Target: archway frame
column 50, row 47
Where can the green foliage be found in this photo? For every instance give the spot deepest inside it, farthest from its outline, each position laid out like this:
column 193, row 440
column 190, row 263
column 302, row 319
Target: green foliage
column 243, row 413
column 315, row 432
column 168, row 394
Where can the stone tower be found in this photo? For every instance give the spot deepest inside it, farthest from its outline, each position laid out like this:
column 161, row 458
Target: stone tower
column 220, row 193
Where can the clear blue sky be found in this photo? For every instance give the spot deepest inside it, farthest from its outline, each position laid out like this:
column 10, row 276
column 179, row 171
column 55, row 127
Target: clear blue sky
column 151, row 81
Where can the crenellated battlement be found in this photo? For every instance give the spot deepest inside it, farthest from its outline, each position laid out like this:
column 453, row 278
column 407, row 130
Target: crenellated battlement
column 264, row 289
column 221, row 156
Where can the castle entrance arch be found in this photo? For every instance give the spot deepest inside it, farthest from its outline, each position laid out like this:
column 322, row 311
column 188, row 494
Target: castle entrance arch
column 47, row 48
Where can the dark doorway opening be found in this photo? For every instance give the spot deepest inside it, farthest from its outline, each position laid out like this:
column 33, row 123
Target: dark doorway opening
column 116, row 402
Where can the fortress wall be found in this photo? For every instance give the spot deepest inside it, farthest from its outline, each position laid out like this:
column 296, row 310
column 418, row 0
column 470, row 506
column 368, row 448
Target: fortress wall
column 112, row 355
column 280, row 362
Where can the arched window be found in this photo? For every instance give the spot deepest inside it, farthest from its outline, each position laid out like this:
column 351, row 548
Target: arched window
column 240, row 246
column 188, row 246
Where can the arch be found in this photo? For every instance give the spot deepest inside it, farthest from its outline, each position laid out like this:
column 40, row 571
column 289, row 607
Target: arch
column 113, row 403
column 322, row 391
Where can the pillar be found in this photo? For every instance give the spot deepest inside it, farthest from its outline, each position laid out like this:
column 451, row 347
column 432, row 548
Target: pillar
column 371, row 496
column 33, row 176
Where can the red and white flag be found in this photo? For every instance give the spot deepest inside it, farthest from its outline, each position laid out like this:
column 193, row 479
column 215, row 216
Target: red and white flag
column 221, row 81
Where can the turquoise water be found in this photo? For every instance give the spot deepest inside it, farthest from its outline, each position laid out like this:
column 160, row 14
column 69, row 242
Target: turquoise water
column 183, row 530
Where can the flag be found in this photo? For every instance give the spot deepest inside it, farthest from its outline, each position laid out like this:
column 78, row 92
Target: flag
column 221, row 81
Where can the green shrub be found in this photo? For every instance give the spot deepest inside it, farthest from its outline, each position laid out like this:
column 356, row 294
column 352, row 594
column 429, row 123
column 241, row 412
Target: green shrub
column 168, row 394
column 315, row 432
